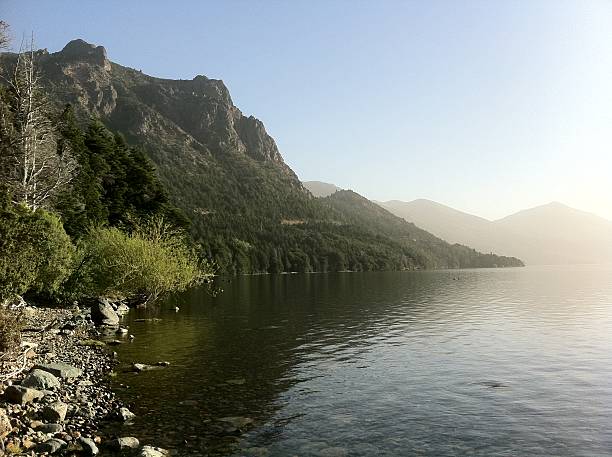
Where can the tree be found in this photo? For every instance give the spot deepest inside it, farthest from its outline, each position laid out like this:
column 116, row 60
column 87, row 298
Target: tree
column 4, row 35
column 33, row 163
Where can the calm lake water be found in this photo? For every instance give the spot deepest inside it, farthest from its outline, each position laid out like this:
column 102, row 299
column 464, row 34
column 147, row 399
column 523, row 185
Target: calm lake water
column 509, row 362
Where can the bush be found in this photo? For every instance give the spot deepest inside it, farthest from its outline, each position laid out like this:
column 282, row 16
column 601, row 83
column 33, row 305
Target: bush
column 152, row 260
column 36, row 254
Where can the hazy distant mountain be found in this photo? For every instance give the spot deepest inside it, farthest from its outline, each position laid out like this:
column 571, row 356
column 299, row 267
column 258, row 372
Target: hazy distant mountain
column 320, row 189
column 548, row 234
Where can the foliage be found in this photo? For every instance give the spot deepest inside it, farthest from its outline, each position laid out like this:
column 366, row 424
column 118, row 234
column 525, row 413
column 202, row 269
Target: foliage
column 35, row 252
column 116, row 184
column 151, row 260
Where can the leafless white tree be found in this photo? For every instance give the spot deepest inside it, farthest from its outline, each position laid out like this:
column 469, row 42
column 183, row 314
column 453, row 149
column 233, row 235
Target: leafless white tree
column 32, row 163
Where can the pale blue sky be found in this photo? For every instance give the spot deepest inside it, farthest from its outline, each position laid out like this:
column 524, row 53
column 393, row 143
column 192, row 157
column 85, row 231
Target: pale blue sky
column 487, row 106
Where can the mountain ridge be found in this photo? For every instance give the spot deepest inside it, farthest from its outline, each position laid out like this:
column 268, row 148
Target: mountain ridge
column 248, row 209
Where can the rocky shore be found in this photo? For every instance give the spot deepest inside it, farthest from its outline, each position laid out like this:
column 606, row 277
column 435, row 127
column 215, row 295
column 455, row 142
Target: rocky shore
column 55, row 390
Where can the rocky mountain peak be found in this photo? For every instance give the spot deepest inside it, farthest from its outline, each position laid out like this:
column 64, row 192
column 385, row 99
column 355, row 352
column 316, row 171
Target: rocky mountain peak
column 83, row 51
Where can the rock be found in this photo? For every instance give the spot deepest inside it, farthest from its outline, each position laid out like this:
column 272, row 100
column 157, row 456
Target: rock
column 138, row 367
column 125, row 414
column 5, row 423
column 55, row 412
column 124, row 444
column 49, row 428
column 122, row 309
column 122, row 331
column 150, row 451
column 114, row 342
column 238, row 422
column 40, row 379
column 61, row 370
column 163, row 364
column 22, row 395
column 102, row 313
column 51, row 446
column 89, row 446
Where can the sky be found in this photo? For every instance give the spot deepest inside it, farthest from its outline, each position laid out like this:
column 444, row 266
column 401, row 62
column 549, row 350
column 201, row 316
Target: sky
column 487, row 106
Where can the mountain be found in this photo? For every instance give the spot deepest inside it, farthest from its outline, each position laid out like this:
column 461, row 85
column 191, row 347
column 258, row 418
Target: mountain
column 548, row 234
column 248, row 209
column 320, row 189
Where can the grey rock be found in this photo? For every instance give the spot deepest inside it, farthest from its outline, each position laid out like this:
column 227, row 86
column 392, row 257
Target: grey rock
column 51, row 446
column 102, row 313
column 22, row 395
column 40, row 379
column 60, row 370
column 89, row 446
column 125, row 414
column 150, row 451
column 55, row 412
column 138, row 367
column 238, row 422
column 124, row 444
column 122, row 309
column 49, row 428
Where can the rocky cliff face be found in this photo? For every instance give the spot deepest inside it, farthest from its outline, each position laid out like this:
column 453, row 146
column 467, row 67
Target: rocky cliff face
column 197, row 116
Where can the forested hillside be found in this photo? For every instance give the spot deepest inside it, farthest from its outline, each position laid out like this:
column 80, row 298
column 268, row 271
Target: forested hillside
column 247, row 209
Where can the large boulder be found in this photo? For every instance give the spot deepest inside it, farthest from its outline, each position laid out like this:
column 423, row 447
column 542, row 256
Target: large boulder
column 102, row 313
column 60, row 370
column 40, row 379
column 22, row 395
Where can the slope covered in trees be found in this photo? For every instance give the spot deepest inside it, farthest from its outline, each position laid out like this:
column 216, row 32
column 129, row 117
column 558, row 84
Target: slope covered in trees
column 248, row 210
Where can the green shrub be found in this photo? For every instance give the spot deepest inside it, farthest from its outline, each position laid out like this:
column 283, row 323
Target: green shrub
column 36, row 254
column 152, row 260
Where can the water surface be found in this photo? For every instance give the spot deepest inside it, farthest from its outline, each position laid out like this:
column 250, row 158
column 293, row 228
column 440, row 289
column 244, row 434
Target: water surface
column 474, row 362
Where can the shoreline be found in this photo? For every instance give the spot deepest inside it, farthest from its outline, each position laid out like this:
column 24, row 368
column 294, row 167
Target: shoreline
column 65, row 364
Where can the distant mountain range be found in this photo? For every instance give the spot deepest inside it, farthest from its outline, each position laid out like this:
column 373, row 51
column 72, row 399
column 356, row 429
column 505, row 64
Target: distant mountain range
column 320, row 189
column 249, row 212
column 548, row 234
column 551, row 234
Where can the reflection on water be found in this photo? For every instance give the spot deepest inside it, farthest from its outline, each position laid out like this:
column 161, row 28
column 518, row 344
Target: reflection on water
column 473, row 362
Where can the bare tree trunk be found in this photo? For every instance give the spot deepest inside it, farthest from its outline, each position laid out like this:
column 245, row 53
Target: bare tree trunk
column 30, row 161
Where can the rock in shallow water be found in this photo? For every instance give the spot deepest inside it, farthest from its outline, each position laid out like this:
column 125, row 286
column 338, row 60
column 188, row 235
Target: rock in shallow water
column 125, row 414
column 124, row 444
column 102, row 313
column 40, row 379
column 89, row 446
column 150, row 451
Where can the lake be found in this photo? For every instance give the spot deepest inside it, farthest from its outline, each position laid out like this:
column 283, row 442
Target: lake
column 489, row 362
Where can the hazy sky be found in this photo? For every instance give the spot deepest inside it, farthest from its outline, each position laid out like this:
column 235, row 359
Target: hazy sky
column 487, row 106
